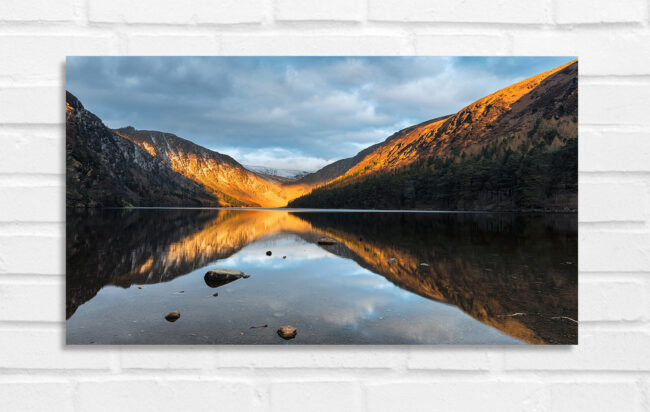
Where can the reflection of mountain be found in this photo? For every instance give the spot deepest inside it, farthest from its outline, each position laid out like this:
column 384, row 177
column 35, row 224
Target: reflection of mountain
column 523, row 283
column 492, row 267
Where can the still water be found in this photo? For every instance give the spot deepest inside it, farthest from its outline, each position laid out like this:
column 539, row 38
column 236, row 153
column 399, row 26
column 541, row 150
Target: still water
column 390, row 278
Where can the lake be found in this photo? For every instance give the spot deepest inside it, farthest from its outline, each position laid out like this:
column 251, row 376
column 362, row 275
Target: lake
column 389, row 277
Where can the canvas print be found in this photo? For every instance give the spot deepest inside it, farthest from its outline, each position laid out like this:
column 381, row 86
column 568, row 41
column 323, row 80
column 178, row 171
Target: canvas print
column 321, row 200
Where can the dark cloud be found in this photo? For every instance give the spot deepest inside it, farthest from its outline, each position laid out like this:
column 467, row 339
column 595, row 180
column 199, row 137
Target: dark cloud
column 292, row 112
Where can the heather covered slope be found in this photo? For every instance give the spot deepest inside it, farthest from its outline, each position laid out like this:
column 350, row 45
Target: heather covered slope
column 515, row 149
column 105, row 170
column 221, row 174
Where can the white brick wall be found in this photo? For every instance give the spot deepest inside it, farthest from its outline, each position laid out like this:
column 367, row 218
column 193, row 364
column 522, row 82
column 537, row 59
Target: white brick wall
column 610, row 368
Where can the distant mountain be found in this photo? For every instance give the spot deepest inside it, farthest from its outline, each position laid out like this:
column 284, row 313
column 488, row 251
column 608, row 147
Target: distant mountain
column 231, row 182
column 283, row 174
column 514, row 149
column 104, row 170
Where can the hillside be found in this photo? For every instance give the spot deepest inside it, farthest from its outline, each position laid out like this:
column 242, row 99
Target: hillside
column 514, row 149
column 104, row 170
column 221, row 174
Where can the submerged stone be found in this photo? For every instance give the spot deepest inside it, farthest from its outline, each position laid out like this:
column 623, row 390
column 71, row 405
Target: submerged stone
column 287, row 332
column 173, row 316
column 219, row 277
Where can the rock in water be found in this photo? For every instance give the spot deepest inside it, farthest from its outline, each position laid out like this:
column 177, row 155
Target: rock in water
column 219, row 277
column 173, row 316
column 268, row 253
column 140, row 287
column 287, row 332
column 326, row 241
column 284, row 257
column 216, row 294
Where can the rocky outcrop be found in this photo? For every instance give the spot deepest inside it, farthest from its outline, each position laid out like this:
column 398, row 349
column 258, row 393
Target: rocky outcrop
column 103, row 169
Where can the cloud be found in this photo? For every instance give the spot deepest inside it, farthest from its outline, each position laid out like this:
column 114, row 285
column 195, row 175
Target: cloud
column 287, row 112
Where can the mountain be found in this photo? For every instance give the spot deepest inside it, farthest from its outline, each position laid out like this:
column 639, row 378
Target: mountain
column 231, row 182
column 105, row 170
column 283, row 175
column 514, row 149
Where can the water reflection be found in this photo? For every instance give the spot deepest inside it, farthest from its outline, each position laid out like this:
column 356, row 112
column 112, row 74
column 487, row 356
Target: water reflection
column 515, row 273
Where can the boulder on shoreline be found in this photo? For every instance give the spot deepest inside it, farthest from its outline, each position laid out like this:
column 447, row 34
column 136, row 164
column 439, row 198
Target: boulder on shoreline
column 219, row 277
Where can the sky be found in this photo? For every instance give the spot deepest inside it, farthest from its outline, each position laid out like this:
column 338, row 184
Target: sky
column 288, row 112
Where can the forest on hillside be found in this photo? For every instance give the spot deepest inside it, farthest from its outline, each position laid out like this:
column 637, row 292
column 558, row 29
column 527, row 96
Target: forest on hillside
column 533, row 177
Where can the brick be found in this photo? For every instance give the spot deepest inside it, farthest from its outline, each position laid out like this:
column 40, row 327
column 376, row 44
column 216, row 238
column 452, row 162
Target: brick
column 166, row 358
column 305, row 357
column 468, row 44
column 601, row 52
column 471, row 11
column 37, row 10
column 174, row 12
column 165, row 395
column 17, row 302
column 320, row 396
column 594, row 396
column 446, row 358
column 613, row 251
column 455, row 396
column 36, row 396
column 337, row 10
column 612, row 201
column 33, row 204
column 41, row 104
column 46, row 154
column 45, row 349
column 166, row 45
column 617, row 151
column 611, row 301
column 599, row 11
column 48, row 63
column 32, row 254
column 343, row 45
column 614, row 103
column 598, row 350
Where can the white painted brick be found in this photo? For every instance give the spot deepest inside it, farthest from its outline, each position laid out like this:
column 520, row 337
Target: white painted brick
column 460, row 44
column 612, row 201
column 595, row 396
column 32, row 204
column 450, row 358
column 601, row 52
column 32, row 302
column 339, row 10
column 455, row 396
column 306, row 357
column 49, row 62
column 613, row 251
column 32, row 254
column 175, row 12
column 343, row 45
column 470, row 11
column 614, row 151
column 166, row 357
column 598, row 350
column 614, row 103
column 40, row 104
column 45, row 349
column 46, row 154
column 36, row 396
column 168, row 45
column 315, row 396
column 612, row 301
column 37, row 10
column 599, row 11
column 166, row 395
